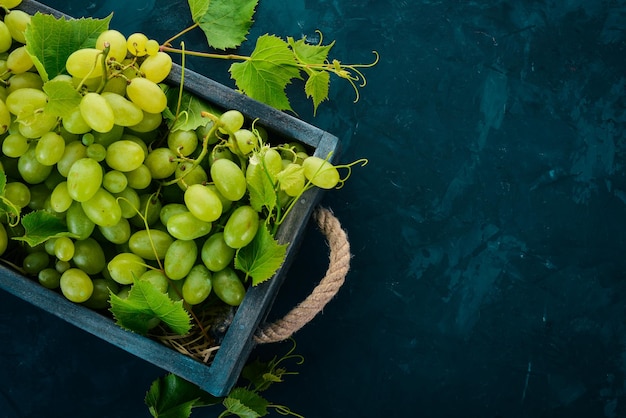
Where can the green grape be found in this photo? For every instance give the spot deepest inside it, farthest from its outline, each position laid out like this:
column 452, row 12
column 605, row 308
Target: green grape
column 50, row 148
column 241, row 227
column 186, row 226
column 64, row 248
column 77, row 221
column 184, row 142
column 161, row 162
column 31, row 170
column 197, row 285
column 62, row 266
column 99, row 299
column 273, row 162
column 85, row 63
column 150, row 208
column 84, row 179
column 17, row 193
column 246, row 141
column 36, row 261
column 320, row 172
column 26, row 100
column 295, row 184
column 129, row 202
column 74, row 151
column 156, row 67
column 116, row 42
column 149, row 123
column 10, row 4
column 216, row 254
column 152, row 47
column 19, row 60
column 218, row 153
column 76, row 285
column 192, row 174
column 150, row 244
column 125, row 112
column 17, row 21
column 139, row 141
column 124, row 268
column 124, row 155
column 74, row 123
column 107, row 138
column 97, row 112
column 49, row 245
column 6, row 40
column 60, row 199
column 88, row 139
column 147, row 95
column 115, row 85
column 230, row 121
column 139, row 178
column 228, row 287
column 89, row 256
column 49, row 278
column 38, row 124
column 117, row 234
column 229, row 179
column 114, row 181
column 102, row 208
column 180, row 258
column 203, row 203
column 4, row 239
column 96, row 152
column 24, row 80
column 15, row 145
column 136, row 44
column 171, row 209
column 157, row 278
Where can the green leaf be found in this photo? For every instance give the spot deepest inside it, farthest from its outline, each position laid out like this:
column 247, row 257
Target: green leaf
column 245, row 403
column 260, row 187
column 62, row 97
column 262, row 257
column 144, row 303
column 49, row 40
column 225, row 22
column 191, row 108
column 40, row 225
column 316, row 87
column 290, row 176
column 309, row 53
column 266, row 74
column 174, row 397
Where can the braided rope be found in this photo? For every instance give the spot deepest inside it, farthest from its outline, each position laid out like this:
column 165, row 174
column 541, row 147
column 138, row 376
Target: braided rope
column 338, row 267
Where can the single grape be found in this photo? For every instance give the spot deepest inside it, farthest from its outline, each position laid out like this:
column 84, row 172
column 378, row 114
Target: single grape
column 17, row 193
column 246, row 141
column 10, row 4
column 129, row 202
column 74, row 151
column 125, row 112
column 76, row 285
column 230, row 121
column 139, row 178
column 49, row 278
column 184, row 142
column 117, row 234
column 169, row 210
column 180, row 258
column 114, row 181
column 216, row 254
column 116, row 42
column 85, row 63
column 64, row 248
column 229, row 179
column 17, row 21
column 19, row 60
column 60, row 198
column 97, row 112
column 124, row 155
column 186, row 226
column 102, row 208
column 77, row 221
column 84, row 179
column 124, row 268
column 26, row 100
column 228, row 287
column 197, row 285
column 74, row 123
column 203, row 203
column 147, row 95
column 96, row 152
column 161, row 162
column 24, row 80
column 152, row 47
column 273, row 162
column 157, row 278
column 31, row 170
column 156, row 67
column 15, row 145
column 320, row 172
column 6, row 40
column 36, row 261
column 50, row 148
column 89, row 256
column 241, row 227
column 38, row 124
column 136, row 44
column 149, row 123
column 190, row 174
column 150, row 244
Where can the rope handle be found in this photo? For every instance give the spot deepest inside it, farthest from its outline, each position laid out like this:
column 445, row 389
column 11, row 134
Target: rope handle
column 305, row 311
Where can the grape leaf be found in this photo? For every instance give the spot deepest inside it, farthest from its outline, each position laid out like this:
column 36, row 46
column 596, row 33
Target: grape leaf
column 49, row 41
column 260, row 187
column 262, row 257
column 291, row 176
column 191, row 108
column 174, row 397
column 62, row 97
column 266, row 74
column 225, row 23
column 40, row 225
column 144, row 303
column 245, row 403
column 309, row 53
column 316, row 87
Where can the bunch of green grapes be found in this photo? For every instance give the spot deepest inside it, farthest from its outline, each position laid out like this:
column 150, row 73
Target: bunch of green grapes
column 141, row 202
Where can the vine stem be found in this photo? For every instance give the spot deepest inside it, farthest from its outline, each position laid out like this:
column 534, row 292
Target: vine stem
column 179, row 34
column 165, row 48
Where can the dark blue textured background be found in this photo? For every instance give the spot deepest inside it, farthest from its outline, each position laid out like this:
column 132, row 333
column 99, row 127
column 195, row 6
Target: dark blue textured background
column 488, row 229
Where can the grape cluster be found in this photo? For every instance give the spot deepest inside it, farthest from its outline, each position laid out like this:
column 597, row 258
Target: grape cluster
column 141, row 201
